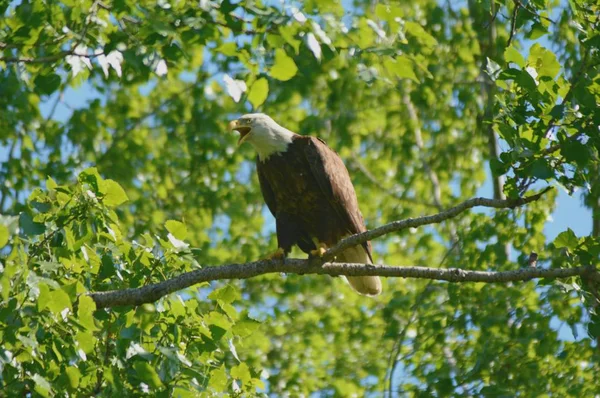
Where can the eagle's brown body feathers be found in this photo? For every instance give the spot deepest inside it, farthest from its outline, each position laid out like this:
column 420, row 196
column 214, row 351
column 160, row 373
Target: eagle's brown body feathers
column 308, row 190
column 308, row 205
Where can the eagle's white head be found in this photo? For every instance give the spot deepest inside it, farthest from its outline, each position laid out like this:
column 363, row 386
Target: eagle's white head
column 263, row 133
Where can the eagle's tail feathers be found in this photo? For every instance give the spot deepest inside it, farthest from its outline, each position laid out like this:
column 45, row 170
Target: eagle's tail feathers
column 366, row 285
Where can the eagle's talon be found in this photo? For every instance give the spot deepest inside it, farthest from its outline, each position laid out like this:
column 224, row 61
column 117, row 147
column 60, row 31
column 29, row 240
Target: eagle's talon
column 319, row 251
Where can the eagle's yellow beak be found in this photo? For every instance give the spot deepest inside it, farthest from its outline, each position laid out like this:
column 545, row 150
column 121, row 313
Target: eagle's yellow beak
column 236, row 125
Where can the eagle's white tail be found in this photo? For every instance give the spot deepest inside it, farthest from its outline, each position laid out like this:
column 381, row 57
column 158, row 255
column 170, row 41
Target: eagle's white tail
column 367, row 285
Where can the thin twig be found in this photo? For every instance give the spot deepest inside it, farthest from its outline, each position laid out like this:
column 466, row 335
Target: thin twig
column 513, row 23
column 529, row 8
column 556, row 147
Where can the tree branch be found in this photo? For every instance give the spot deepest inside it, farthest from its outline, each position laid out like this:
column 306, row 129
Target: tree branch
column 151, row 293
column 426, row 220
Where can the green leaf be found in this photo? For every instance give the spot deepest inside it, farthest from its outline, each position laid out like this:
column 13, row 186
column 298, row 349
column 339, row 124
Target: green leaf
column 177, row 229
column 44, row 297
column 288, row 33
column 3, row 236
column 91, row 177
column 566, row 239
column 511, row 54
column 30, row 227
column 575, row 152
column 218, row 379
column 242, row 373
column 258, row 92
column 498, row 168
column 402, row 67
column 50, row 184
column 594, row 326
column 246, row 327
column 544, row 61
column 85, row 312
column 537, row 30
column 47, row 84
column 284, row 67
column 73, row 376
column 228, row 49
column 541, row 169
column 86, row 341
column 227, row 294
column 114, row 194
column 217, row 319
column 420, row 34
column 42, row 386
column 147, row 374
column 58, row 300
column 492, row 68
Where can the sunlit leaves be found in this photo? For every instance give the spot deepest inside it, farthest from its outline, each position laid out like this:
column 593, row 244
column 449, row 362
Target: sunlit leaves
column 544, row 61
column 566, row 239
column 258, row 92
column 288, row 34
column 401, row 67
column 513, row 55
column 227, row 294
column 3, row 235
column 112, row 60
column 284, row 67
column 313, row 45
column 56, row 300
column 42, row 386
column 113, row 193
column 85, row 312
column 177, row 229
column 235, row 87
column 420, row 34
column 170, row 193
column 147, row 374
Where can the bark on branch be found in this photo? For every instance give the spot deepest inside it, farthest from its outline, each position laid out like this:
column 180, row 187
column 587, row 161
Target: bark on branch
column 426, row 220
column 151, row 293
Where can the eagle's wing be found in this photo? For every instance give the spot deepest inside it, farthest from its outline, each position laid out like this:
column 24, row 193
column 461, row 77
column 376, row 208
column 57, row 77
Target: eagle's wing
column 266, row 189
column 333, row 178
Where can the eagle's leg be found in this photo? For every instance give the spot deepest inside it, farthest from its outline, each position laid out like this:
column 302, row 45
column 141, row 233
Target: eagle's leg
column 320, row 250
column 278, row 254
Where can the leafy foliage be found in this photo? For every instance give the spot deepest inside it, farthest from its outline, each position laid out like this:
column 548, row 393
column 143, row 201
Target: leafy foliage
column 117, row 172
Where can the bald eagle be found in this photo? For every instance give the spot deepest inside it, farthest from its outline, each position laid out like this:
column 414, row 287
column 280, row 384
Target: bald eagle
column 308, row 190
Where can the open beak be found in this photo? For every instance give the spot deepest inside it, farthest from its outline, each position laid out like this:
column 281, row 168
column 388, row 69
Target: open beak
column 244, row 131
